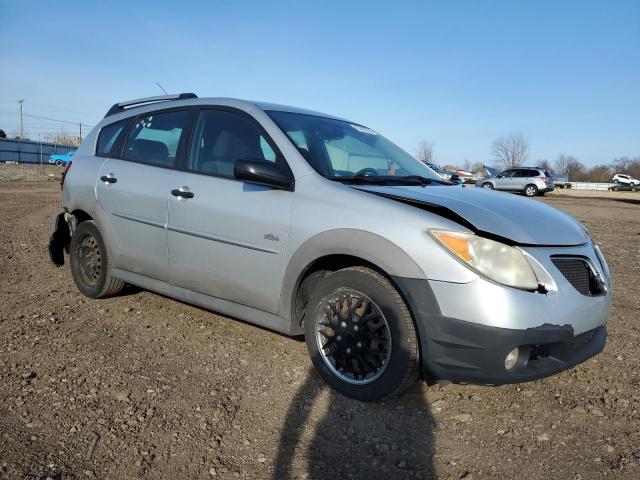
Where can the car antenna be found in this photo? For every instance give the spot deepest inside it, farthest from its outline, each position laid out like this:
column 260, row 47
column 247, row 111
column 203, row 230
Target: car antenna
column 165, row 92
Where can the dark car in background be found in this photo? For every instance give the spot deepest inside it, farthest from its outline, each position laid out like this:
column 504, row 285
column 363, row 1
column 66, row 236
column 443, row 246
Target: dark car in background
column 452, row 177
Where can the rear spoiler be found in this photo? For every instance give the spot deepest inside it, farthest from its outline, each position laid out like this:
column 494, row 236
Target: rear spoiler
column 122, row 106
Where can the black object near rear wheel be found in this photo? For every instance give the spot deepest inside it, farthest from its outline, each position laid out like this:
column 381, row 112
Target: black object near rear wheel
column 90, row 263
column 360, row 335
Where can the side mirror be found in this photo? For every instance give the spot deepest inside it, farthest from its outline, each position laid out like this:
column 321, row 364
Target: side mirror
column 263, row 172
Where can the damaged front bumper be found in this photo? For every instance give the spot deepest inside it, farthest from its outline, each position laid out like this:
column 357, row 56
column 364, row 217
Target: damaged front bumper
column 466, row 352
column 59, row 238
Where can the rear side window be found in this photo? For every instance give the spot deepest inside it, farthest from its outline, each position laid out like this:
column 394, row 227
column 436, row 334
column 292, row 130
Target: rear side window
column 155, row 138
column 108, row 138
column 221, row 138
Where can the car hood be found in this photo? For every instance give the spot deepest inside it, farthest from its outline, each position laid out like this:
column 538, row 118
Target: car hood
column 520, row 220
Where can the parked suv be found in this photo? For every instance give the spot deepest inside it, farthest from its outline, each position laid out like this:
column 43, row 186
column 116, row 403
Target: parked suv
column 531, row 181
column 309, row 224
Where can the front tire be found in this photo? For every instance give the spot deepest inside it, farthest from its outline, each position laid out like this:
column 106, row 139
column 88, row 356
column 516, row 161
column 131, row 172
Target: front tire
column 531, row 190
column 89, row 262
column 487, row 185
column 360, row 335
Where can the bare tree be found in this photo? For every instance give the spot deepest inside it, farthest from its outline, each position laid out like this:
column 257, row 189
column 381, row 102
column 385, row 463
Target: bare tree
column 569, row 166
column 63, row 138
column 510, row 151
column 599, row 173
column 544, row 163
column 425, row 152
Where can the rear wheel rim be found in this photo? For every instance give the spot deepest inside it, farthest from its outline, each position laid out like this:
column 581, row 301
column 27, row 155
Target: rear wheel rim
column 487, row 186
column 353, row 337
column 88, row 260
column 530, row 191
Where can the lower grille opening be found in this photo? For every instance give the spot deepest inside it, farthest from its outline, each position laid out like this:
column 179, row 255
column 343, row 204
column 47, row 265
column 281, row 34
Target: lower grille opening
column 538, row 351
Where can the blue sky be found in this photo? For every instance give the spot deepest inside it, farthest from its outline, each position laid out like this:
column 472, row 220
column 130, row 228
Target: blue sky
column 457, row 73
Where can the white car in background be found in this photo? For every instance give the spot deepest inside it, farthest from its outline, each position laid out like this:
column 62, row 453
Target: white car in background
column 626, row 179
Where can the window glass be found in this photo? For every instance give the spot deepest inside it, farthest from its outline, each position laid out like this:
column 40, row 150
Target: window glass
column 336, row 148
column 155, row 138
column 108, row 136
column 507, row 173
column 221, row 138
column 267, row 151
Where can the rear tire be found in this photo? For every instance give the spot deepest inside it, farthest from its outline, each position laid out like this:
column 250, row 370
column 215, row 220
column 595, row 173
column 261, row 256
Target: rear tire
column 531, row 190
column 89, row 260
column 487, row 185
column 360, row 335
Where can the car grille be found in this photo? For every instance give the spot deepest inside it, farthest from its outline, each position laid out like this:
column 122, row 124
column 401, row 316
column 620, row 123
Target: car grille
column 579, row 274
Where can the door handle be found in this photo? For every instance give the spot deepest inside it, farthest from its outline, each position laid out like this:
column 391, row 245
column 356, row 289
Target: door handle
column 182, row 192
column 108, row 178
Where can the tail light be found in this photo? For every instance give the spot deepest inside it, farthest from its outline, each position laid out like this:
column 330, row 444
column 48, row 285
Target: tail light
column 543, row 178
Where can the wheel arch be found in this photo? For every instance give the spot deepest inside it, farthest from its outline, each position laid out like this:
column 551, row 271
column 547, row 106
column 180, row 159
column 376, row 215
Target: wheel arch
column 81, row 215
column 336, row 249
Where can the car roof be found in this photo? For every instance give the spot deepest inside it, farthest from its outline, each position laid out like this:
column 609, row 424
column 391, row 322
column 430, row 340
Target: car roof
column 170, row 101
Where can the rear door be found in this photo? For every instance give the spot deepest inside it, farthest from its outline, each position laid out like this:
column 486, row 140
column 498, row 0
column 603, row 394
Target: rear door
column 228, row 238
column 134, row 190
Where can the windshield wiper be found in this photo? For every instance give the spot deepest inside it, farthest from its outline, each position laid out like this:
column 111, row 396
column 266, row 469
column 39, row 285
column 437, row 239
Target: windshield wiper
column 383, row 180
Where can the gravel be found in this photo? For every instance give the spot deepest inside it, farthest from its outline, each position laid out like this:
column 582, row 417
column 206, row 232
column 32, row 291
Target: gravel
column 141, row 386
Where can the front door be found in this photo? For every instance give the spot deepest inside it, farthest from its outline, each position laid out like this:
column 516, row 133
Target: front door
column 135, row 190
column 228, row 238
column 505, row 180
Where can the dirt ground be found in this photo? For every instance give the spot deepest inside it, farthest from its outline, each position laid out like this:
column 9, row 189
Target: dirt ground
column 142, row 386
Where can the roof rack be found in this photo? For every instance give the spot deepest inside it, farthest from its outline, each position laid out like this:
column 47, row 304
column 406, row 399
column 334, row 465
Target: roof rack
column 122, row 106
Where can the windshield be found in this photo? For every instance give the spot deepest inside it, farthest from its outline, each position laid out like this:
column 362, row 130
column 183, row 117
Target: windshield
column 340, row 150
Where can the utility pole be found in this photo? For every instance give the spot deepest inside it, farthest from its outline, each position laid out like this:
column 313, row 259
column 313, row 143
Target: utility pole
column 20, row 102
column 80, row 124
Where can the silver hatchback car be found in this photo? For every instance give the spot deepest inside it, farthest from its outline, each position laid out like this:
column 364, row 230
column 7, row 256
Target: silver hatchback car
column 531, row 181
column 313, row 225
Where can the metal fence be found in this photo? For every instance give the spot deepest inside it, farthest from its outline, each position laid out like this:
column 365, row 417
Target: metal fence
column 26, row 151
column 590, row 186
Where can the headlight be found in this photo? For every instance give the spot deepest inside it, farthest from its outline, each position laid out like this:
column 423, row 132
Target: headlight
column 496, row 261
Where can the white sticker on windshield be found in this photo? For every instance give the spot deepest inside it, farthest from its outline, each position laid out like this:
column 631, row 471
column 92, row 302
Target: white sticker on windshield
column 362, row 129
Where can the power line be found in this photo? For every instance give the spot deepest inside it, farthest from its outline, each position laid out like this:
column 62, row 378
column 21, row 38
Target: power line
column 57, row 120
column 47, row 118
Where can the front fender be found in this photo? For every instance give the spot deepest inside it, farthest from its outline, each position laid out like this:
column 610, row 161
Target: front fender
column 368, row 246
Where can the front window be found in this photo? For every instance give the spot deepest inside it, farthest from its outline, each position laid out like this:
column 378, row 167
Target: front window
column 340, row 150
column 222, row 138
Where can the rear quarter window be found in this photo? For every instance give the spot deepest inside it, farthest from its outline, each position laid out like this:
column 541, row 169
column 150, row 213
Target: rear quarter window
column 108, row 138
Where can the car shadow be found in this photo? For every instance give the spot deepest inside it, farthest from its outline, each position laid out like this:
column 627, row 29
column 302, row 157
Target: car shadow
column 632, row 201
column 378, row 440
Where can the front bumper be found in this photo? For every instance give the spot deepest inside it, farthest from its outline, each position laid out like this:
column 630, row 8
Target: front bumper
column 467, row 329
column 464, row 352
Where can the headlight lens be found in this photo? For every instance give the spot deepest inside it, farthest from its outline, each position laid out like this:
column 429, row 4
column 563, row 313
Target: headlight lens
column 497, row 261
